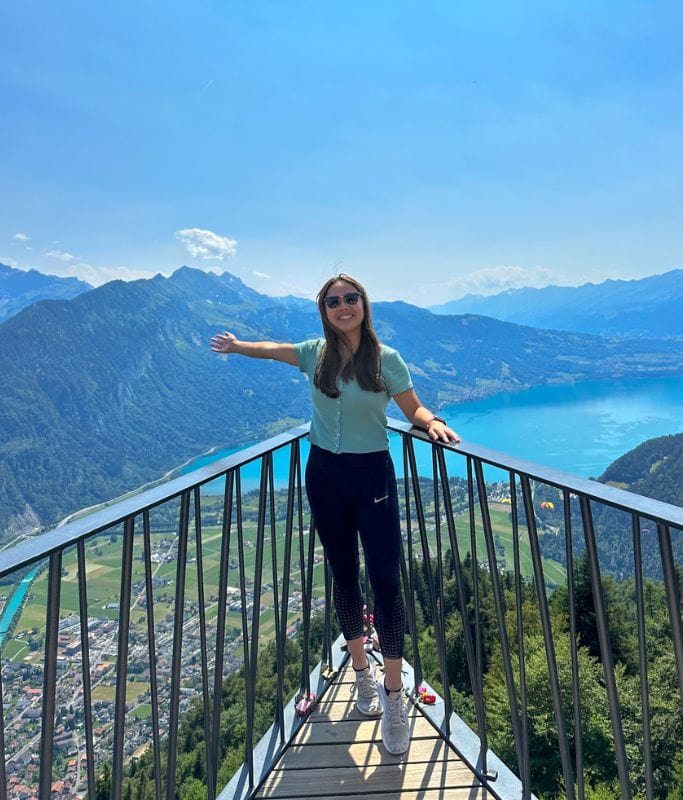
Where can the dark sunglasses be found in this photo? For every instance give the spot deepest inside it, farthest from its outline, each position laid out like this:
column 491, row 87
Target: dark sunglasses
column 333, row 300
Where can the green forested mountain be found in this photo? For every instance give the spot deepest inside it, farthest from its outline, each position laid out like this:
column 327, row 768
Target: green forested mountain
column 115, row 387
column 653, row 469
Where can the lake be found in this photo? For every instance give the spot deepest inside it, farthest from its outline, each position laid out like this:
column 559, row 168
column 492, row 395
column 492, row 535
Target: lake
column 579, row 428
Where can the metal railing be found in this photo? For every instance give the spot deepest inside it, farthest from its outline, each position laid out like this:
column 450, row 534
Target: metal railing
column 206, row 576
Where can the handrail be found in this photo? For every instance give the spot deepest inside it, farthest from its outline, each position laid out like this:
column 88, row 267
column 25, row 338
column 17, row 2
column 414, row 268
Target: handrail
column 438, row 538
column 611, row 495
column 63, row 536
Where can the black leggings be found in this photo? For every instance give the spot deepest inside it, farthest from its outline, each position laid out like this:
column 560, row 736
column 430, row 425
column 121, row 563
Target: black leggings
column 352, row 493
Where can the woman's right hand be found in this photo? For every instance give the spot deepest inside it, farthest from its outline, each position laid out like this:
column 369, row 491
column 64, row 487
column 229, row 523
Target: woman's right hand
column 225, row 342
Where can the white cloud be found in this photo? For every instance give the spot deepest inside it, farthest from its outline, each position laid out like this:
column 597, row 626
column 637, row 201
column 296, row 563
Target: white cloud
column 263, row 275
column 22, row 237
column 206, row 244
column 491, row 280
column 58, row 254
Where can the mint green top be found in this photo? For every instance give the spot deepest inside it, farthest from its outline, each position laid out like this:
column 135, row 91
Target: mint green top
column 354, row 422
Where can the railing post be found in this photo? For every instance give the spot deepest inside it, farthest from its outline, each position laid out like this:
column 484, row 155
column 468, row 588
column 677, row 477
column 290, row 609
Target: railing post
column 605, row 649
column 122, row 659
column 151, row 650
column 3, row 773
column 573, row 645
column 642, row 657
column 525, row 766
column 50, row 676
column 548, row 638
column 673, row 599
column 176, row 665
column 85, row 668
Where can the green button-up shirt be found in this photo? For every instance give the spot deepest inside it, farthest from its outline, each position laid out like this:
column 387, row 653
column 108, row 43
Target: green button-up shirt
column 354, row 422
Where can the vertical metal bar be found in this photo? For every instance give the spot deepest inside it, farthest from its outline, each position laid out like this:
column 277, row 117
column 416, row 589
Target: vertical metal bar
column 409, row 586
column 525, row 766
column 642, row 657
column 548, row 641
column 50, row 676
column 176, row 659
column 151, row 650
column 459, row 576
column 574, row 645
column 327, row 633
column 220, row 623
column 258, row 579
column 85, row 669
column 672, row 598
column 499, row 604
column 478, row 687
column 122, row 658
column 249, row 689
column 280, row 632
column 289, row 526
column 427, row 562
column 3, row 773
column 201, row 601
column 307, row 609
column 605, row 649
column 440, row 630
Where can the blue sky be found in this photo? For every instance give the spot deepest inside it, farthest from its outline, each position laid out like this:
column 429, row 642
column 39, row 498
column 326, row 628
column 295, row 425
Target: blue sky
column 430, row 149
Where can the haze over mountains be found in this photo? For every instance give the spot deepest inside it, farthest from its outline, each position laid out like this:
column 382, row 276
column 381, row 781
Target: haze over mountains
column 646, row 307
column 19, row 289
column 111, row 389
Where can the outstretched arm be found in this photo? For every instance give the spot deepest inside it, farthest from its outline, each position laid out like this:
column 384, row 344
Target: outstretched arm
column 421, row 417
column 226, row 342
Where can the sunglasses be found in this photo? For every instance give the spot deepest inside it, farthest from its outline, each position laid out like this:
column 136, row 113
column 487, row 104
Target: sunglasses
column 334, row 300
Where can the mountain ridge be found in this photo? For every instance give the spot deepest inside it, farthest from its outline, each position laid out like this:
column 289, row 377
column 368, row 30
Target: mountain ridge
column 640, row 307
column 113, row 388
column 19, row 288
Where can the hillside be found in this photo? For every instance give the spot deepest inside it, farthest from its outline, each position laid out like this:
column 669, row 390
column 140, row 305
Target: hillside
column 114, row 388
column 19, row 289
column 653, row 469
column 645, row 307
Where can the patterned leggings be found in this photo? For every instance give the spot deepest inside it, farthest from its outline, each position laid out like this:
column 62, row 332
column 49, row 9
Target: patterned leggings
column 351, row 494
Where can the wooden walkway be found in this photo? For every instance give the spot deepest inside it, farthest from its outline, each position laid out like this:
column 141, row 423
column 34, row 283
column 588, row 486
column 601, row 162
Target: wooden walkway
column 338, row 755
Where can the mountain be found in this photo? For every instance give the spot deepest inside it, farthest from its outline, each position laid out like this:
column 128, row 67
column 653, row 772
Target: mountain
column 653, row 469
column 646, row 307
column 19, row 289
column 113, row 388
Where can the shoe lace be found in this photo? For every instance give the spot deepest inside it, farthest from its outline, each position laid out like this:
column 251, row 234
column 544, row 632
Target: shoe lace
column 366, row 684
column 397, row 711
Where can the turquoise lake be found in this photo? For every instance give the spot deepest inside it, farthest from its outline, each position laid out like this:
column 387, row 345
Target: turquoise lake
column 579, row 428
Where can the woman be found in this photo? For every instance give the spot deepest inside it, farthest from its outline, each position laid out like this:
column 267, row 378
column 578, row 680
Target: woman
column 350, row 479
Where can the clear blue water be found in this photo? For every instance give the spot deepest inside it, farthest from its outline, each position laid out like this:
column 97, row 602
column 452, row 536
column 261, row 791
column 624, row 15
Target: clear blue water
column 15, row 602
column 578, row 428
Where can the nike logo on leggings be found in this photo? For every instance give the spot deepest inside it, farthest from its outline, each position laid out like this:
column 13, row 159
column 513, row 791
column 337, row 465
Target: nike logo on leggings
column 379, row 499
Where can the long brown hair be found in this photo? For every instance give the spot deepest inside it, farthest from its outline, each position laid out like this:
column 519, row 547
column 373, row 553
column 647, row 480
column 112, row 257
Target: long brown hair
column 364, row 364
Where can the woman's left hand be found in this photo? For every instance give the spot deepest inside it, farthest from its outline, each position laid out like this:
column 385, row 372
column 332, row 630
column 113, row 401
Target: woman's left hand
column 438, row 431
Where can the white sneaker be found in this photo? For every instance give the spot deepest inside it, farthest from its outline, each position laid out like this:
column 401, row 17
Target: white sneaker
column 367, row 699
column 395, row 730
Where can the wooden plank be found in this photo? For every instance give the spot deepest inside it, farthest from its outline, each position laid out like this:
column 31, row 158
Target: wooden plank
column 349, row 731
column 338, row 710
column 389, row 778
column 322, row 756
column 462, row 793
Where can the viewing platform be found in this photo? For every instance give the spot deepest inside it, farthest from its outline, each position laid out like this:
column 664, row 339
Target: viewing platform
column 165, row 640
